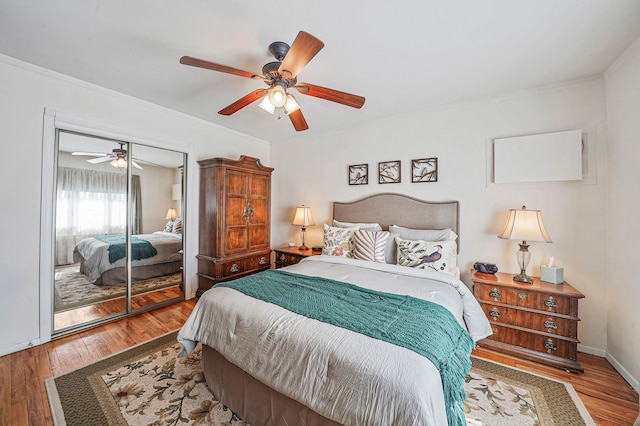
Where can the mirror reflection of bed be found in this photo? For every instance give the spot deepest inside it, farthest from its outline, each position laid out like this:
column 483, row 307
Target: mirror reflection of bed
column 90, row 250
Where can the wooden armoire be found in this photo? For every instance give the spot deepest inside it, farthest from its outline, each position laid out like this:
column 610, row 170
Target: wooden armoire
column 235, row 205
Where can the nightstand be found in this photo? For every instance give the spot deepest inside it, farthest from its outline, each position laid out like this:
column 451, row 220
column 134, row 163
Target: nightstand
column 286, row 256
column 538, row 321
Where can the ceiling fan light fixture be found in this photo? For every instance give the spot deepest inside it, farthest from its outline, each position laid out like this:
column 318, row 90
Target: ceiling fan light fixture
column 119, row 163
column 291, row 105
column 277, row 96
column 266, row 105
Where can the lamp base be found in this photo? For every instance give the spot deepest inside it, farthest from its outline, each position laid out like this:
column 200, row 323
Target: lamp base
column 523, row 278
column 303, row 247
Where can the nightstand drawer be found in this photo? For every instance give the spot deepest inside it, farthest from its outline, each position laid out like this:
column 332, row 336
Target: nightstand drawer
column 562, row 347
column 286, row 259
column 551, row 303
column 552, row 324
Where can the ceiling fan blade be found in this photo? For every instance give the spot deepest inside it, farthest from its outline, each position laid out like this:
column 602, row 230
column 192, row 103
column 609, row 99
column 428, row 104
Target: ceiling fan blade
column 136, row 165
column 91, row 154
column 332, row 95
column 243, row 102
column 200, row 63
column 100, row 160
column 298, row 121
column 302, row 50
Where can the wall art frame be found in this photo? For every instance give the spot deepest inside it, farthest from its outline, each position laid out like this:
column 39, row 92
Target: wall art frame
column 389, row 172
column 358, row 174
column 424, row 170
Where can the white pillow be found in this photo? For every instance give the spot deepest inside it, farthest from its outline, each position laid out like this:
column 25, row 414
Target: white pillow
column 338, row 241
column 370, row 245
column 169, row 226
column 434, row 255
column 423, row 234
column 373, row 227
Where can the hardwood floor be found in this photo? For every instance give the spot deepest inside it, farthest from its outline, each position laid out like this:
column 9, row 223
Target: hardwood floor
column 23, row 398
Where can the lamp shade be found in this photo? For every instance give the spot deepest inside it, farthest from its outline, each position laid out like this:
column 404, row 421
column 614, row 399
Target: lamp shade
column 171, row 214
column 303, row 217
column 525, row 225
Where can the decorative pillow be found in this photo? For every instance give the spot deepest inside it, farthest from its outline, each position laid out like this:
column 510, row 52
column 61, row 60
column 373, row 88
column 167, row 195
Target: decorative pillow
column 177, row 226
column 370, row 245
column 435, row 255
column 338, row 241
column 169, row 226
column 373, row 227
column 415, row 234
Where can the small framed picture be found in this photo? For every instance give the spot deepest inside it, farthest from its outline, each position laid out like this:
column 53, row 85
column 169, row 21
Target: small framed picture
column 389, row 172
column 359, row 174
column 424, row 170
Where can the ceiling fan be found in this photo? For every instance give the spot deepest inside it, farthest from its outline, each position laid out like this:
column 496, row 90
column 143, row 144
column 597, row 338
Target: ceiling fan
column 280, row 76
column 117, row 157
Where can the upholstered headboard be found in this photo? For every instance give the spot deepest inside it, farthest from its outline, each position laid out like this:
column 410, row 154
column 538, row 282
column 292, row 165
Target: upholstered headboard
column 402, row 210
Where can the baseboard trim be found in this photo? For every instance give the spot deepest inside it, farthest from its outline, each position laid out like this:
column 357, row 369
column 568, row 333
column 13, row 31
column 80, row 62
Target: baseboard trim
column 623, row 372
column 20, row 347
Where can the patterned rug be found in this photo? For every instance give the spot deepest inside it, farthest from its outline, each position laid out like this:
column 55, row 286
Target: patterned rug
column 148, row 385
column 73, row 289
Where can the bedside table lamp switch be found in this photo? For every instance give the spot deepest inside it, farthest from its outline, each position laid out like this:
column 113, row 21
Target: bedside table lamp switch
column 524, row 225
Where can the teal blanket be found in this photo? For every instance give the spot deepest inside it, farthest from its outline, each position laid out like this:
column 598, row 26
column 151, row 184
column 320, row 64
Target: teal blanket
column 140, row 249
column 418, row 325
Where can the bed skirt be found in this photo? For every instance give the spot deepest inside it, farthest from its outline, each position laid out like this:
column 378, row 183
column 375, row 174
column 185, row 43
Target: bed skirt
column 138, row 273
column 255, row 402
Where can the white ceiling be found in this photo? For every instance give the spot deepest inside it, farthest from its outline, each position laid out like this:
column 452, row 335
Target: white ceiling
column 402, row 56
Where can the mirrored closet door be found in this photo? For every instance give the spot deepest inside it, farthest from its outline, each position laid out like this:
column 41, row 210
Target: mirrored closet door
column 118, row 229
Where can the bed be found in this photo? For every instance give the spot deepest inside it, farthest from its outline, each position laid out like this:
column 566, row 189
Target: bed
column 160, row 254
column 272, row 365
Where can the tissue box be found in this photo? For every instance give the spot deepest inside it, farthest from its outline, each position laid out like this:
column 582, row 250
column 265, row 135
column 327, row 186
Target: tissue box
column 552, row 274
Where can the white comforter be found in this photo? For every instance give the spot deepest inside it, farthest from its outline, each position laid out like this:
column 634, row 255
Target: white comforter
column 96, row 254
column 345, row 376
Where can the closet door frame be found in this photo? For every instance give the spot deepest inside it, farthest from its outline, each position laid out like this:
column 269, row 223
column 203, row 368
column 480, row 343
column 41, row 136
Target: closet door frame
column 54, row 121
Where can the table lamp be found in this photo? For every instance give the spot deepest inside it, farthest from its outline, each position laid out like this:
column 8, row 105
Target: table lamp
column 524, row 225
column 303, row 218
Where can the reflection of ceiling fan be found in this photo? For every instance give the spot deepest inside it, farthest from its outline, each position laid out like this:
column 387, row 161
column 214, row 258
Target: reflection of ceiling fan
column 280, row 76
column 117, row 158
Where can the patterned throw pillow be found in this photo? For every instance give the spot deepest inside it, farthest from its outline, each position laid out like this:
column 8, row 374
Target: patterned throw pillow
column 338, row 241
column 168, row 227
column 435, row 255
column 370, row 245
column 177, row 226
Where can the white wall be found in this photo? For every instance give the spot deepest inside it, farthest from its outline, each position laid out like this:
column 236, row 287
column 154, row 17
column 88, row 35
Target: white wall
column 622, row 82
column 25, row 91
column 313, row 171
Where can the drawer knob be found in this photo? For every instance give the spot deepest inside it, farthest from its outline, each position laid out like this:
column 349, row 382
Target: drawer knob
column 282, row 257
column 550, row 325
column 549, row 346
column 494, row 313
column 522, row 296
column 550, row 303
column 234, row 268
column 263, row 261
column 495, row 294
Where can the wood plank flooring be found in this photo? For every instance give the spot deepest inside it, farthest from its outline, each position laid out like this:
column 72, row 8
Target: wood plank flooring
column 23, row 398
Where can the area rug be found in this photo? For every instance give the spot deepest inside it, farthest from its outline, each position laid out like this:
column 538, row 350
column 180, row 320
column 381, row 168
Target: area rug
column 147, row 385
column 73, row 290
